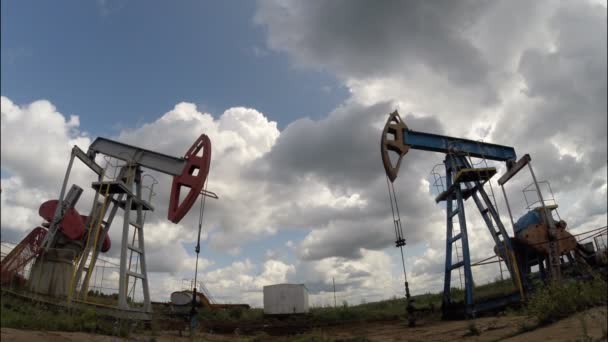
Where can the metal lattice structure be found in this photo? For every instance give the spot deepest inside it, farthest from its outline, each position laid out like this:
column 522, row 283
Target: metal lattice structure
column 465, row 179
column 65, row 253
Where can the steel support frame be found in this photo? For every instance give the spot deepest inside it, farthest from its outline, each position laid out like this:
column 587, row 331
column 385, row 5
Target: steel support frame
column 554, row 257
column 497, row 230
column 61, row 206
column 96, row 217
column 123, row 286
column 494, row 224
column 456, row 195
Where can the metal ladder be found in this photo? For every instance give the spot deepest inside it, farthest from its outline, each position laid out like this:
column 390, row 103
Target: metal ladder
column 125, row 270
column 103, row 189
column 132, row 247
column 454, row 193
column 458, row 259
column 119, row 192
column 464, row 181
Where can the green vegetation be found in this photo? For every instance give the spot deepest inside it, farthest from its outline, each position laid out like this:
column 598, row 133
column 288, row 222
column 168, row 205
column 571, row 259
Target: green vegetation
column 554, row 302
column 19, row 314
column 320, row 337
column 231, row 315
column 547, row 304
column 428, row 304
column 383, row 310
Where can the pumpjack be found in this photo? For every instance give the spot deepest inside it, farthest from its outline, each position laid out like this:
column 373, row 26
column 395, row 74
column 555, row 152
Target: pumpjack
column 65, row 248
column 539, row 238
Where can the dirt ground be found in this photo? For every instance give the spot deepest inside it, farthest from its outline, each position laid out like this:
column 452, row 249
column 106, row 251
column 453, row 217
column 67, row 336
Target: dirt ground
column 590, row 325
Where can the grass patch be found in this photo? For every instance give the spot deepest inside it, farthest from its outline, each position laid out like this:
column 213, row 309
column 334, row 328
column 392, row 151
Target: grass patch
column 428, row 306
column 384, row 310
column 321, row 337
column 231, row 315
column 554, row 302
column 19, row 314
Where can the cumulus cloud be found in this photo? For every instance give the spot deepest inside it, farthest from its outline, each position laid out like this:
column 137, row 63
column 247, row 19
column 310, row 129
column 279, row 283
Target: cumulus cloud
column 36, row 144
column 37, row 133
column 364, row 40
column 532, row 76
column 242, row 139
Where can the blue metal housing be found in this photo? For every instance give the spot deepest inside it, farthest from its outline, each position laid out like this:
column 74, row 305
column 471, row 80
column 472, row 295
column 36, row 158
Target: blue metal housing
column 530, row 218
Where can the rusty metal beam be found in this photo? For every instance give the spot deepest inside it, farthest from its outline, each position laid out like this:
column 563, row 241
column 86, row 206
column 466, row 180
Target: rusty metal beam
column 521, row 163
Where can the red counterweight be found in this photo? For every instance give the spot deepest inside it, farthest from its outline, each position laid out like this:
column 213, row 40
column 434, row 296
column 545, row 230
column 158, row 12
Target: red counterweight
column 193, row 177
column 72, row 224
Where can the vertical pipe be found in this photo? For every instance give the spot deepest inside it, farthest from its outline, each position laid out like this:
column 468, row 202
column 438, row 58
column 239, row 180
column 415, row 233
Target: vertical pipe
column 540, row 195
column 334, row 281
column 468, row 276
column 65, row 180
column 102, row 274
column 554, row 263
column 142, row 256
column 123, row 279
column 48, row 240
column 500, row 265
column 508, row 208
column 447, row 300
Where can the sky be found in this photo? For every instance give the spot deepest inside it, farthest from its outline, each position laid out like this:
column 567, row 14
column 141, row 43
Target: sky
column 293, row 96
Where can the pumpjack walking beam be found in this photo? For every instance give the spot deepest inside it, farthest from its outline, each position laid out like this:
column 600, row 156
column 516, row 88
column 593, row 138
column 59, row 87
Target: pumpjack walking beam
column 463, row 181
column 405, row 138
column 125, row 192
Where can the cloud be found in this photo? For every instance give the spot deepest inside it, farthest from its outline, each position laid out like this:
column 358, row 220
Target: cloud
column 37, row 134
column 36, row 144
column 532, row 76
column 372, row 276
column 361, row 40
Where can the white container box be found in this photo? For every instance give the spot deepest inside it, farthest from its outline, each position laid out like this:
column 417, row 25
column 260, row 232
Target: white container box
column 284, row 299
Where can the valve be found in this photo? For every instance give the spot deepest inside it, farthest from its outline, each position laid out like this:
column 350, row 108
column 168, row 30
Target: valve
column 193, row 177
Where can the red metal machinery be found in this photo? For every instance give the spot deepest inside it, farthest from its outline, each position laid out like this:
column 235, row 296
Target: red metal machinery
column 193, row 177
column 88, row 234
column 23, row 253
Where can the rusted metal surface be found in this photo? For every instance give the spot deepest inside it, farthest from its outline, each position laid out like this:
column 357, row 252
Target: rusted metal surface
column 514, row 169
column 481, row 174
column 193, row 177
column 392, row 141
column 537, row 237
column 24, row 252
column 71, row 225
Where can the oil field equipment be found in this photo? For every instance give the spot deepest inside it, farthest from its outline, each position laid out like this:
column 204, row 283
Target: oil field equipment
column 65, row 248
column 538, row 239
